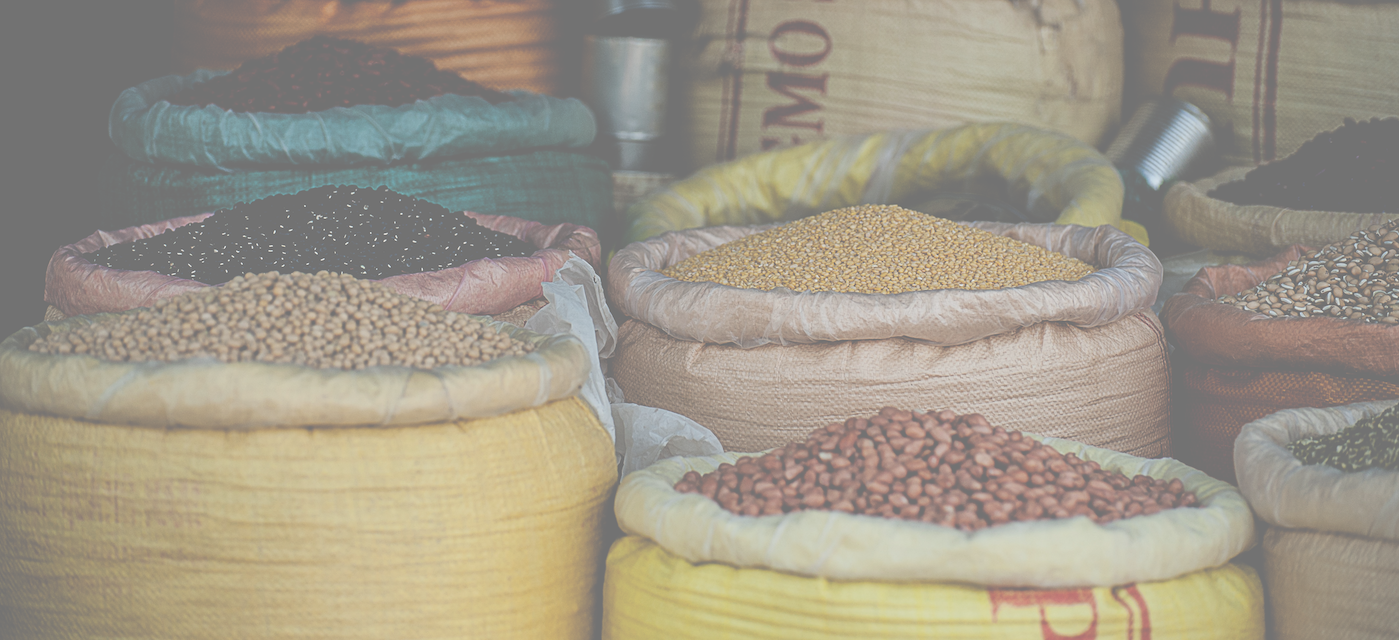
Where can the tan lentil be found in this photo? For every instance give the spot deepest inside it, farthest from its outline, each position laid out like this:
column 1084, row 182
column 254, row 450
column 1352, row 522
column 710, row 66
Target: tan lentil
column 324, row 321
column 876, row 249
column 1354, row 279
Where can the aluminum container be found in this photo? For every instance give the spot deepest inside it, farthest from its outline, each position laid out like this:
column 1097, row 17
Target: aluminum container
column 626, row 81
column 1162, row 140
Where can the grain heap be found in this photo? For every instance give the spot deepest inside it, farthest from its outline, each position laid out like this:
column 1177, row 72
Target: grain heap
column 940, row 467
column 1355, row 279
column 324, row 72
column 880, row 249
column 325, row 321
column 367, row 233
column 1370, row 443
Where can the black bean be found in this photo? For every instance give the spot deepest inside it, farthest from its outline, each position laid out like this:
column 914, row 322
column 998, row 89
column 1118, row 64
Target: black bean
column 323, row 72
column 1353, row 169
column 367, row 233
column 1368, row 444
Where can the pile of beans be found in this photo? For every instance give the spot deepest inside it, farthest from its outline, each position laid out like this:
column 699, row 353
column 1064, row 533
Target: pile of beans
column 939, row 467
column 1354, row 168
column 325, row 321
column 1371, row 443
column 366, row 233
column 1354, row 279
column 324, row 72
column 876, row 249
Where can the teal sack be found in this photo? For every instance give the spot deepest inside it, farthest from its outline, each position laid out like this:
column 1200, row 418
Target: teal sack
column 547, row 186
column 147, row 128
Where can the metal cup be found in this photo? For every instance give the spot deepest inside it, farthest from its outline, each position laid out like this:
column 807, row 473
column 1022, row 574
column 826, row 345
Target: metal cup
column 626, row 82
column 1162, row 141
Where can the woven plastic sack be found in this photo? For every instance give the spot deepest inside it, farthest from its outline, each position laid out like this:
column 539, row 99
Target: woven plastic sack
column 1059, row 178
column 484, row 287
column 207, row 500
column 504, row 44
column 1331, row 554
column 772, row 74
column 758, row 368
column 1269, row 74
column 1256, row 230
column 651, row 593
column 147, row 128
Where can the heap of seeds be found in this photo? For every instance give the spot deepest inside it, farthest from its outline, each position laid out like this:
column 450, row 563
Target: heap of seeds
column 939, row 467
column 325, row 321
column 1371, row 443
column 324, row 72
column 876, row 249
column 1354, row 279
column 366, row 233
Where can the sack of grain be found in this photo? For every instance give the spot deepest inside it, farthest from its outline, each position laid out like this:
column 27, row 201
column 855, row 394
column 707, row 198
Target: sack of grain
column 773, row 74
column 759, row 367
column 503, row 44
column 76, row 286
column 1238, row 367
column 195, row 499
column 1269, row 74
column 690, row 569
column 1257, row 230
column 1331, row 552
column 511, row 158
column 1052, row 177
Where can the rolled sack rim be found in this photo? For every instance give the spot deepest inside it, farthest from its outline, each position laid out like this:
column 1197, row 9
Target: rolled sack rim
column 1217, row 334
column 71, row 277
column 147, row 128
column 1286, row 493
column 1043, row 554
column 204, row 393
column 1184, row 202
column 720, row 314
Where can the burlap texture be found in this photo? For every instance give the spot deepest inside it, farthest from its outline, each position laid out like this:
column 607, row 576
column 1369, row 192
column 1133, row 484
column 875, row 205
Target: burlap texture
column 1211, row 405
column 1107, row 386
column 1331, row 552
column 1125, row 284
column 1256, row 230
column 482, row 287
column 1221, row 335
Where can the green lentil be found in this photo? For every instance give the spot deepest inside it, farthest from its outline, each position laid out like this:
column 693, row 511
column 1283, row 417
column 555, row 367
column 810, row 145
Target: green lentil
column 1371, row 443
column 881, row 249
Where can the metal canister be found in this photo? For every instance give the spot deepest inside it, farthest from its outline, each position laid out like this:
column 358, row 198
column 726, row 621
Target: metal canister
column 1162, row 140
column 626, row 82
column 615, row 7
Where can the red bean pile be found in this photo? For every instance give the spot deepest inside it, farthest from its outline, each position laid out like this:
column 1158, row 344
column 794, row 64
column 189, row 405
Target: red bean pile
column 939, row 467
column 324, row 72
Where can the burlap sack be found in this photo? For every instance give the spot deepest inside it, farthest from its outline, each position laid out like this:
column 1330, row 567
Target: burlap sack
column 1331, row 554
column 1234, row 367
column 1256, row 230
column 1270, row 74
column 204, row 500
column 488, row 286
column 760, row 369
column 503, row 44
column 771, row 74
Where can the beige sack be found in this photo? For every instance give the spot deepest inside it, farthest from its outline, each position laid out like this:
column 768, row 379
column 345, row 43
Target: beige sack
column 1256, row 230
column 1082, row 360
column 1271, row 74
column 201, row 501
column 770, row 74
column 1331, row 554
column 503, row 44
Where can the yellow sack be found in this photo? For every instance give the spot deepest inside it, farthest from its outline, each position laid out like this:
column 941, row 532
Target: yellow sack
column 1061, row 179
column 651, row 593
column 200, row 500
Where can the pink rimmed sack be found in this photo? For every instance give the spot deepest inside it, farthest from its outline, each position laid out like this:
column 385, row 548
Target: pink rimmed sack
column 488, row 286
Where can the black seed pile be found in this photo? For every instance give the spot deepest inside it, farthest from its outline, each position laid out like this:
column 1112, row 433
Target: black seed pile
column 367, row 233
column 1353, row 169
column 1371, row 443
column 323, row 72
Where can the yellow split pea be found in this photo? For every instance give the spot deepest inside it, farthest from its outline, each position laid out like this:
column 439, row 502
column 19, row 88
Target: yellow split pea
column 876, row 249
